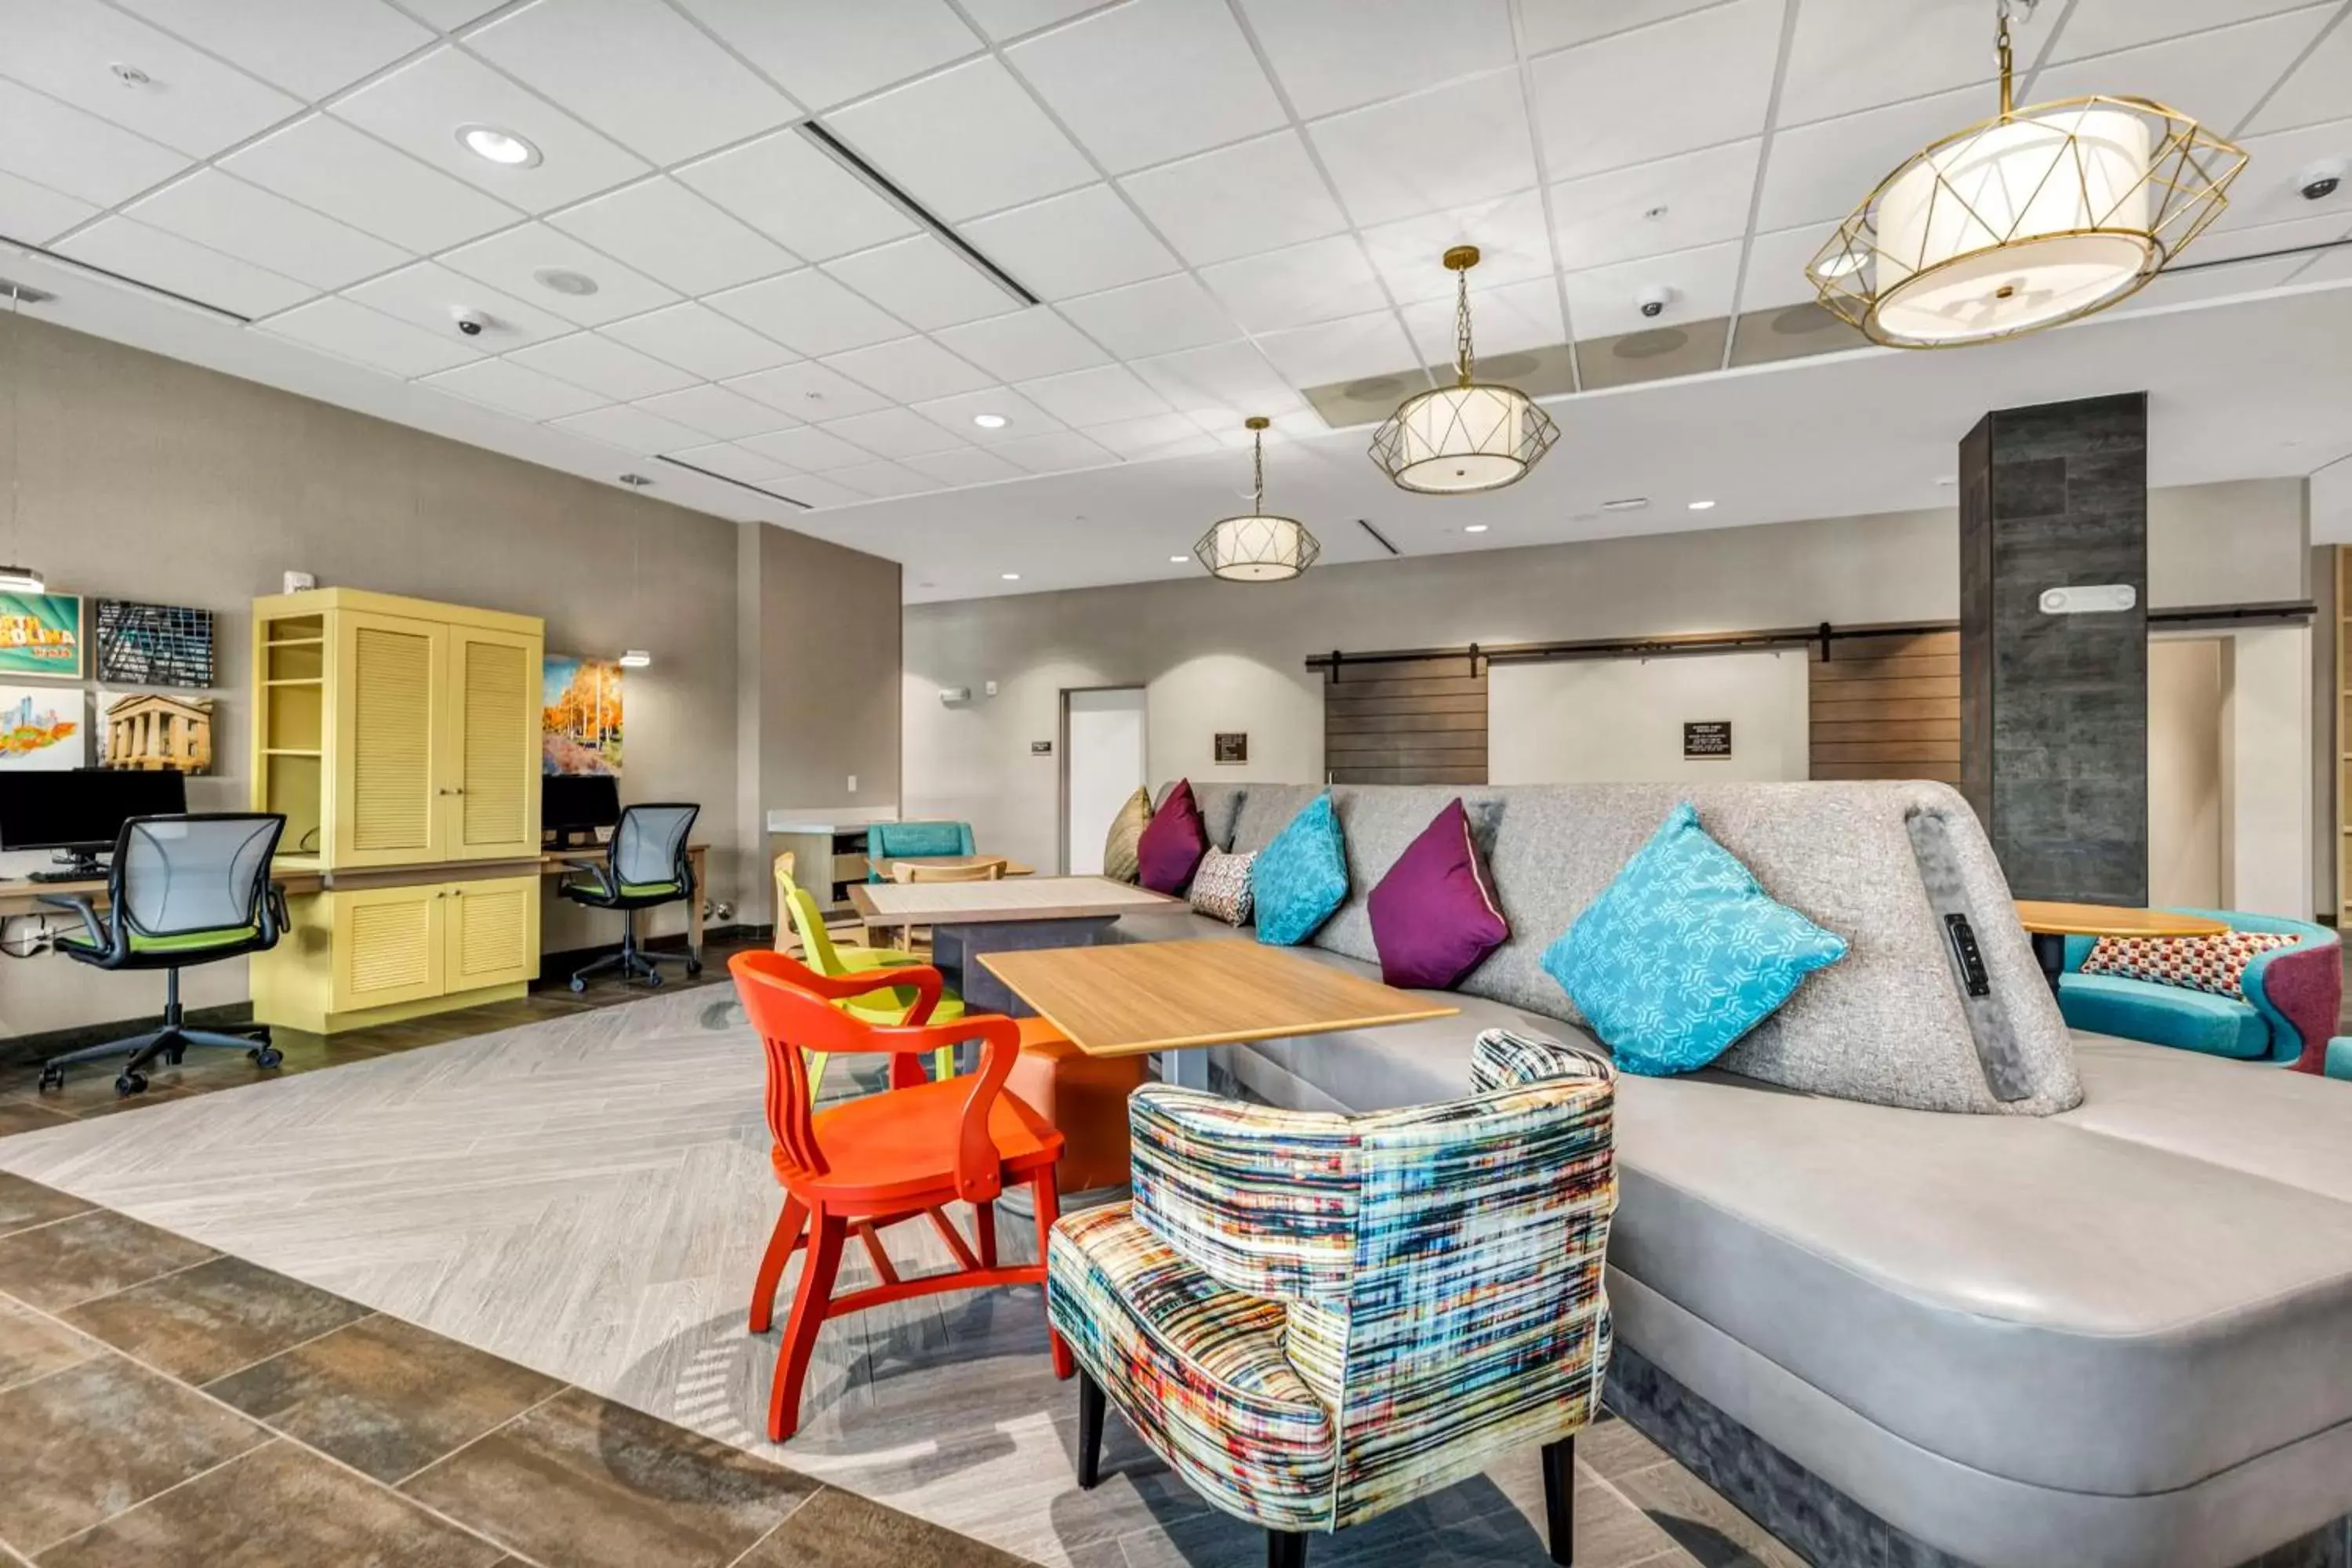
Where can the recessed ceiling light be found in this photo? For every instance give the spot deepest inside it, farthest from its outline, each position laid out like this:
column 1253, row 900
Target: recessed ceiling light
column 1178, row 559
column 1629, row 503
column 1474, row 528
column 635, row 658
column 991, row 421
column 563, row 280
column 1013, row 576
column 493, row 145
column 1702, row 506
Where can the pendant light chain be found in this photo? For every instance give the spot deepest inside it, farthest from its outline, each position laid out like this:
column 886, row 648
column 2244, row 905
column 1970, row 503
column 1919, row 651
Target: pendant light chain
column 1257, row 470
column 1462, row 358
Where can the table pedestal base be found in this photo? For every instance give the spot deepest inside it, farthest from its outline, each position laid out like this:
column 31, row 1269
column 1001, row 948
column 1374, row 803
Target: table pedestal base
column 1185, row 1069
column 2050, row 952
column 954, row 947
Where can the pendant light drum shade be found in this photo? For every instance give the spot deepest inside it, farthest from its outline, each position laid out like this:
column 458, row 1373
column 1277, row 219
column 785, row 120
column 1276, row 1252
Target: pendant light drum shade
column 2037, row 217
column 1259, row 547
column 1462, row 439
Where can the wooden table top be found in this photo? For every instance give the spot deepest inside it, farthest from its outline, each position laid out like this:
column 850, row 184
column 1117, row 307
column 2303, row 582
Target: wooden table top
column 2047, row 919
column 882, row 866
column 1029, row 898
column 1126, row 1000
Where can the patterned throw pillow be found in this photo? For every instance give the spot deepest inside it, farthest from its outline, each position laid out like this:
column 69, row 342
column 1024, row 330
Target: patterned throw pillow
column 1684, row 953
column 1435, row 915
column 1121, row 863
column 2214, row 963
column 1301, row 879
column 1221, row 888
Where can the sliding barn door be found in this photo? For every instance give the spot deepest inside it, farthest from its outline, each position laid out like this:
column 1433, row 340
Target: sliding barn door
column 1419, row 722
column 1888, row 707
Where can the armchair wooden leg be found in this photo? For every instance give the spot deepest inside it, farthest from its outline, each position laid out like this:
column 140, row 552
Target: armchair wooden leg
column 826, row 1233
column 771, row 1263
column 1285, row 1549
column 1560, row 1499
column 1090, row 1425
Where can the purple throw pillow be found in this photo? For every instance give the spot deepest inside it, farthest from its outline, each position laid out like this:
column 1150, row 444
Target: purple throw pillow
column 1172, row 844
column 1435, row 915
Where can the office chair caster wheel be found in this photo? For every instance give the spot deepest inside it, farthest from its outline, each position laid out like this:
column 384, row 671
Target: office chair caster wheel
column 131, row 1083
column 653, row 980
column 693, row 967
column 266, row 1056
column 578, row 985
column 52, row 1077
column 173, row 1055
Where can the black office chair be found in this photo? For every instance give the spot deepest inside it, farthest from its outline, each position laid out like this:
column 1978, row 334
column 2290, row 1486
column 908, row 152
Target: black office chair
column 183, row 890
column 646, row 866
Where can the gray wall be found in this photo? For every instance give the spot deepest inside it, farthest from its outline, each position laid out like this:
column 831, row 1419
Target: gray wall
column 2325, row 840
column 1219, row 657
column 141, row 477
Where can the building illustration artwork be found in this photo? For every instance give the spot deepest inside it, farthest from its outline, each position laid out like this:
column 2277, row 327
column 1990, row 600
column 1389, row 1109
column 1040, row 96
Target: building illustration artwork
column 156, row 730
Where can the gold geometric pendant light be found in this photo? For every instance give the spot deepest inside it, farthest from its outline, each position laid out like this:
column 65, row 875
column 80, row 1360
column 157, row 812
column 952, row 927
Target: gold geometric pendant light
column 1257, row 548
column 1466, row 437
column 2039, row 216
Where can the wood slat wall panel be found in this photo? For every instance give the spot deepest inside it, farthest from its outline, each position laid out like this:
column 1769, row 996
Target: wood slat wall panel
column 1887, row 708
column 1422, row 721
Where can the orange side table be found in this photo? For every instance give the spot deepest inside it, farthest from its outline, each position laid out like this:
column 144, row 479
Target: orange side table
column 1084, row 1097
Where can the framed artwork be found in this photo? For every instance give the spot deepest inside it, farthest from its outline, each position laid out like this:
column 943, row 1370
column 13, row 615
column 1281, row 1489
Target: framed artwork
column 154, row 645
column 41, row 728
column 40, row 634
column 580, row 716
column 156, row 730
column 1233, row 746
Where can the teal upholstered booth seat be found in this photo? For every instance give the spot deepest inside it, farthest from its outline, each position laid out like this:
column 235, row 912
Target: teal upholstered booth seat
column 911, row 840
column 2291, row 997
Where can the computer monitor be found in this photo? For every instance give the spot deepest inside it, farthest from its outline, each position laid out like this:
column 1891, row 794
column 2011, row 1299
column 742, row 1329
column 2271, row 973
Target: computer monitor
column 572, row 804
column 81, row 812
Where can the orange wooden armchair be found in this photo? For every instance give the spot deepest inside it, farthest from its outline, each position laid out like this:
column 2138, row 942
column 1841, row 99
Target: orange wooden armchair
column 854, row 1167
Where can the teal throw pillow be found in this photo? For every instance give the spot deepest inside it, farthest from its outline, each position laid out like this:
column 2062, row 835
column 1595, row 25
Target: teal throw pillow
column 1684, row 953
column 1300, row 879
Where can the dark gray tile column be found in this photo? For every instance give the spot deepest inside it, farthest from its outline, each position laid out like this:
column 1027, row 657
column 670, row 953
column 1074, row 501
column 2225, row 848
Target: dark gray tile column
column 2053, row 708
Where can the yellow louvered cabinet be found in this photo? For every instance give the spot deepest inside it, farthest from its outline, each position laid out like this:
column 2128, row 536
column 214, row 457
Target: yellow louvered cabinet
column 400, row 737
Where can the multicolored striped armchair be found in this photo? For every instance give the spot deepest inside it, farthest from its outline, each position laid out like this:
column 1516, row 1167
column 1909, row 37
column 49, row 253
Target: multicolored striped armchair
column 1315, row 1318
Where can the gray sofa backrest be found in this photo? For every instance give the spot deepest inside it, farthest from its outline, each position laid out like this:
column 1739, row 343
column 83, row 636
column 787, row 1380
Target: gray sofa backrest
column 1881, row 864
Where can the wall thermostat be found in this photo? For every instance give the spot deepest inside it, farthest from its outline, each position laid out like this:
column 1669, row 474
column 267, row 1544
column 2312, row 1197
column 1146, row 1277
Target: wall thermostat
column 2088, row 599
column 951, row 695
column 299, row 582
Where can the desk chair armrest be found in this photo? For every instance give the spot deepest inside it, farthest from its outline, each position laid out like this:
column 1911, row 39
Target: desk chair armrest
column 600, row 880
column 92, row 927
column 275, row 917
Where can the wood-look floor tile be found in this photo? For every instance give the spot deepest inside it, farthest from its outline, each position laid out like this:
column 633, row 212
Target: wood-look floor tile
column 26, row 1114
column 206, row 1321
column 385, row 1396
column 837, row 1530
column 82, row 1445
column 1701, row 1522
column 581, row 1480
column 59, row 1265
column 32, row 1345
column 279, row 1506
column 1613, row 1448
column 24, row 1204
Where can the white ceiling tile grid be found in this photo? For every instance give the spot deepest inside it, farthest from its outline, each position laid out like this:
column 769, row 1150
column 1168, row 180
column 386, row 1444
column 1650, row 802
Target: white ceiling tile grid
column 810, row 450
column 632, row 431
column 894, row 433
column 528, row 259
column 1647, row 209
column 808, row 313
column 1318, row 281
column 429, row 296
column 675, row 237
column 1021, row 418
column 924, row 282
column 81, row 155
column 1463, row 142
column 1332, row 54
column 1155, row 318
column 1090, row 397
column 1082, row 242
column 324, row 163
column 968, row 140
column 36, row 214
column 797, row 196
column 912, row 370
column 1024, row 345
column 1513, row 238
column 165, row 261
column 370, row 338
column 597, row 363
column 1644, row 95
column 694, row 337
column 1254, row 195
column 1152, row 79
column 717, row 412
column 226, row 215
column 182, row 98
column 825, row 54
column 516, row 389
column 809, row 392
column 309, row 47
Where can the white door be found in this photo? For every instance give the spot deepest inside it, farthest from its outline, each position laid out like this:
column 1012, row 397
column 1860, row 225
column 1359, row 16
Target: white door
column 1102, row 762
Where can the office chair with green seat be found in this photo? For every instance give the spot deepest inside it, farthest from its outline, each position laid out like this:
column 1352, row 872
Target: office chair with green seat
column 183, row 890
column 887, row 1009
column 646, row 866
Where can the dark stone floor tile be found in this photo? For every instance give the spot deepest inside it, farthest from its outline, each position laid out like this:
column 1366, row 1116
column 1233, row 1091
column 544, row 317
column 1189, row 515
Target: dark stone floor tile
column 26, row 1114
column 34, row 1346
column 95, row 1253
column 82, row 1445
column 1701, row 1522
column 835, row 1529
column 385, row 1396
column 206, row 1321
column 583, row 1481
column 279, row 1506
column 24, row 1203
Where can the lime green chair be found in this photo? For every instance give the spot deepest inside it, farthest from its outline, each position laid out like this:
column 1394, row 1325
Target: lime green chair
column 852, row 960
column 886, row 1009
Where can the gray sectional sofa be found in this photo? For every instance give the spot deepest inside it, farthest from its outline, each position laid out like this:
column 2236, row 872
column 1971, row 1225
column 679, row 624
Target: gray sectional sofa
column 2026, row 1300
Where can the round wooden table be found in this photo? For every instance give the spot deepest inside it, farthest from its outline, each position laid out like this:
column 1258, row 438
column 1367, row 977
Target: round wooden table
column 2051, row 923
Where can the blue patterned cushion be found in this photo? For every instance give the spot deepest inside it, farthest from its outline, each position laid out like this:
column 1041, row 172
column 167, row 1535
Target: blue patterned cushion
column 1684, row 953
column 1300, row 879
